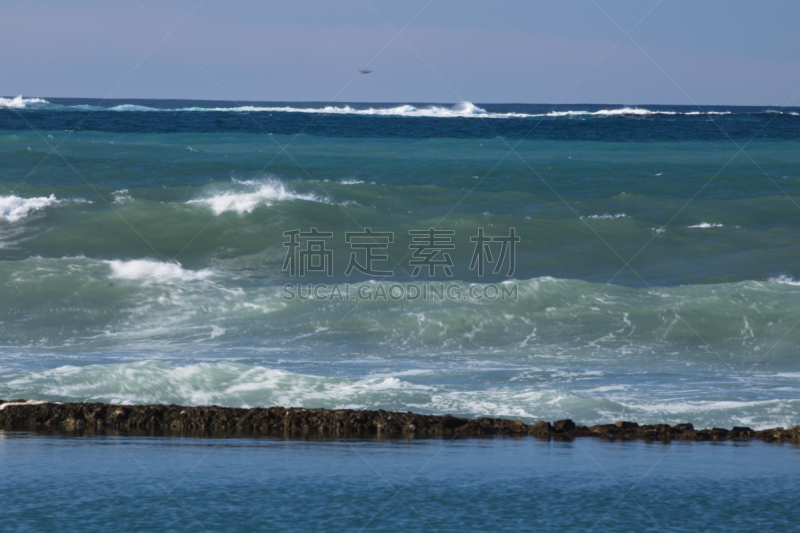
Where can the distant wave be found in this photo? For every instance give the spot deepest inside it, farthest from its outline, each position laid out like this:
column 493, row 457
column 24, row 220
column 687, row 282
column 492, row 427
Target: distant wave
column 129, row 107
column 608, row 216
column 463, row 110
column 19, row 102
column 706, row 225
column 257, row 192
column 628, row 111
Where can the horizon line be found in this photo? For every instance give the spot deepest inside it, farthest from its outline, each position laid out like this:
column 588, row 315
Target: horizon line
column 379, row 102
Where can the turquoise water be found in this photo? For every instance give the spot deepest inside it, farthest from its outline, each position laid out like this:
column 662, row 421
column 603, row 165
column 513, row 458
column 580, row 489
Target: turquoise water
column 656, row 274
column 201, row 484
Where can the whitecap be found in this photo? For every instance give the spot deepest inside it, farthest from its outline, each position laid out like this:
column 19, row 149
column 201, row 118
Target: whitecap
column 465, row 109
column 14, row 208
column 260, row 193
column 121, row 196
column 148, row 269
column 607, row 216
column 205, row 384
column 19, row 102
column 610, row 112
column 706, row 225
column 708, row 113
column 29, row 402
column 131, row 107
column 783, row 279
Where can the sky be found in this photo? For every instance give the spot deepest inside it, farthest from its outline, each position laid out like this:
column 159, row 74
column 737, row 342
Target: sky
column 499, row 51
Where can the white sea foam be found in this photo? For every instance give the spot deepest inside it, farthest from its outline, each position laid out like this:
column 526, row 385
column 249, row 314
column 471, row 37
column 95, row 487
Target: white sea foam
column 131, row 107
column 204, row 384
column 708, row 113
column 148, row 269
column 14, row 208
column 706, row 225
column 628, row 111
column 29, row 402
column 351, row 182
column 607, row 216
column 121, row 196
column 256, row 193
column 610, row 112
column 19, row 102
column 784, row 280
column 600, row 400
column 465, row 109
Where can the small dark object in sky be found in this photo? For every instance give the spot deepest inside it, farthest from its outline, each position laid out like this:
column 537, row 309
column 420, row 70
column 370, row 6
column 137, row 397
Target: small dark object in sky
column 364, row 70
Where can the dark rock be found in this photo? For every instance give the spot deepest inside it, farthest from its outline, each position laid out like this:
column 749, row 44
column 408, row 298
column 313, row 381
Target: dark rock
column 563, row 425
column 541, row 429
column 742, row 432
column 656, row 431
column 338, row 423
column 604, row 429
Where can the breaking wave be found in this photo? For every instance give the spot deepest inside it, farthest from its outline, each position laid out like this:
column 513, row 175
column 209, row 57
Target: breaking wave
column 148, row 269
column 784, row 280
column 14, row 208
column 706, row 225
column 465, row 110
column 607, row 216
column 19, row 102
column 254, row 193
column 237, row 385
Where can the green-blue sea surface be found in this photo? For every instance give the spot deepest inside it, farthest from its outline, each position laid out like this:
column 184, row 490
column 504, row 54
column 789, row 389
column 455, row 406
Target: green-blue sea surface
column 657, row 273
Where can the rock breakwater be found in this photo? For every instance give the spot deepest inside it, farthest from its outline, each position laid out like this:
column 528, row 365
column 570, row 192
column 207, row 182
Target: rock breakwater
column 337, row 423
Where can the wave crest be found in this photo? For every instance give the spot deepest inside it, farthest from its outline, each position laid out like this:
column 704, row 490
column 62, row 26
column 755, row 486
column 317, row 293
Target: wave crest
column 148, row 269
column 257, row 192
column 19, row 102
column 14, row 208
column 783, row 279
column 706, row 225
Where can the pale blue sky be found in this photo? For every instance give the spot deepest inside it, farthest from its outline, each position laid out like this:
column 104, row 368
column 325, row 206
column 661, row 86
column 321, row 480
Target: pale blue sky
column 718, row 52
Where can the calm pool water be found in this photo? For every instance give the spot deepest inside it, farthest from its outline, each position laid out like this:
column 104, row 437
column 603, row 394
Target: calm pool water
column 105, row 483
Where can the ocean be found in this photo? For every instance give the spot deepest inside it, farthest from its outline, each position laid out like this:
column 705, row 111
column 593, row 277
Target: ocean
column 592, row 262
column 654, row 275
